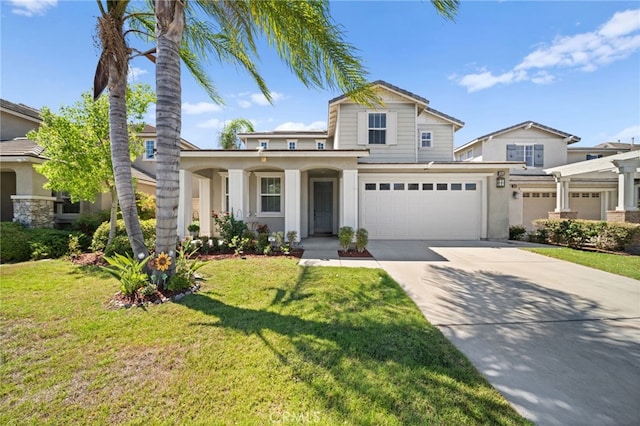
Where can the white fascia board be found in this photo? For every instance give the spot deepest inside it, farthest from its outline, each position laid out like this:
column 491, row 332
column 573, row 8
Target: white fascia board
column 22, row 159
column 285, row 153
column 466, row 145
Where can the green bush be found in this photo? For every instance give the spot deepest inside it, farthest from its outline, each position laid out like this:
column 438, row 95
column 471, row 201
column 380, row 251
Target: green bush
column 101, row 236
column 362, row 239
column 581, row 233
column 19, row 244
column 128, row 271
column 516, row 232
column 14, row 244
column 229, row 226
column 345, row 236
column 146, row 205
column 87, row 223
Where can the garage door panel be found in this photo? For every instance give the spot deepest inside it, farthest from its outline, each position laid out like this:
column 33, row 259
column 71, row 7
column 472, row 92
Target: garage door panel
column 421, row 214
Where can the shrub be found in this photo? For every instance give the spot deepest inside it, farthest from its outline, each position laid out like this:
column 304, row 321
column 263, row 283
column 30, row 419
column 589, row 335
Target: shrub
column 48, row 243
column 119, row 245
column 14, row 244
column 362, row 239
column 146, row 205
column 345, row 236
column 516, row 232
column 262, row 242
column 101, row 235
column 228, row 226
column 580, row 233
column 128, row 271
column 87, row 223
column 292, row 236
column 185, row 274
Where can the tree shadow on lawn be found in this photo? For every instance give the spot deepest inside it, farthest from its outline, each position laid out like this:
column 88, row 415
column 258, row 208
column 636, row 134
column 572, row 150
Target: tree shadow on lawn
column 390, row 364
column 543, row 334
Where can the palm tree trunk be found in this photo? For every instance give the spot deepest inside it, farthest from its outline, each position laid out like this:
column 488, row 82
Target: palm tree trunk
column 120, row 158
column 169, row 28
column 113, row 216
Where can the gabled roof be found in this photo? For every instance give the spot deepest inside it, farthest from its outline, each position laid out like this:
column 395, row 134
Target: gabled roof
column 603, row 164
column 525, row 124
column 445, row 116
column 21, row 109
column 391, row 87
column 618, row 145
column 21, row 147
column 150, row 130
column 285, row 134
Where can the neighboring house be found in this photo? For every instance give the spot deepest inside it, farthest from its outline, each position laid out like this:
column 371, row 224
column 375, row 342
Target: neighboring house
column 533, row 191
column 22, row 195
column 389, row 170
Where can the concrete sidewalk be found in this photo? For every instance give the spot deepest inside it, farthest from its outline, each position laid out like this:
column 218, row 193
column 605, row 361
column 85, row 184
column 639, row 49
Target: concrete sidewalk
column 560, row 341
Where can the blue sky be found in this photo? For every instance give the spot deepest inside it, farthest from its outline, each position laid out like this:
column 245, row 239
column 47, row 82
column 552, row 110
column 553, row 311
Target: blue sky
column 571, row 65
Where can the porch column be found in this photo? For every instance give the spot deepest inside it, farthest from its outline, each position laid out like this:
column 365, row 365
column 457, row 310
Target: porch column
column 292, row 202
column 562, row 194
column 184, row 202
column 627, row 200
column 239, row 193
column 205, row 206
column 349, row 199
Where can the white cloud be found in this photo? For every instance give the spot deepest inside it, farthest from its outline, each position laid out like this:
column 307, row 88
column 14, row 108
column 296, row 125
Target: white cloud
column 213, row 123
column 613, row 41
column 258, row 99
column 626, row 134
column 134, row 73
column 200, row 108
column 291, row 125
column 32, row 7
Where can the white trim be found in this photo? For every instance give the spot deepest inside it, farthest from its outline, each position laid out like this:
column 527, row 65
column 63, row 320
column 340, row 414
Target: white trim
column 324, row 145
column 259, row 176
column 224, row 191
column 289, row 144
column 33, row 197
column 263, row 143
column 421, row 146
column 155, row 150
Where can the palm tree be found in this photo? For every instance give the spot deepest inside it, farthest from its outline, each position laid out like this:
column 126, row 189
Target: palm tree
column 229, row 135
column 303, row 35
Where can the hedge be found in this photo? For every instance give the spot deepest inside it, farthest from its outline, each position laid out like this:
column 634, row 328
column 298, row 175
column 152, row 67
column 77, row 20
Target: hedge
column 120, row 243
column 585, row 233
column 19, row 244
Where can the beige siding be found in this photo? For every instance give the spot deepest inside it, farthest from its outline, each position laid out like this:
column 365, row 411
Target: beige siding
column 442, row 143
column 403, row 151
column 283, row 143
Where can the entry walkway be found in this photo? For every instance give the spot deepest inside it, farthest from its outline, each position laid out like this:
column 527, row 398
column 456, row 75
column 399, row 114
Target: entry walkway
column 560, row 341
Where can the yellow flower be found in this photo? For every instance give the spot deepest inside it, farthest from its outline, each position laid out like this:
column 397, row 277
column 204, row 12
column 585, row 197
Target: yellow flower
column 163, row 262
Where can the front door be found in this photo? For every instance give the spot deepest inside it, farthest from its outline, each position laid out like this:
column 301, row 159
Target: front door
column 322, row 207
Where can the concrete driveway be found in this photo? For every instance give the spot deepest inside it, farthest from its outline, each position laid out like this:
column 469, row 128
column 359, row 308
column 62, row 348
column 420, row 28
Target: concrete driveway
column 560, row 341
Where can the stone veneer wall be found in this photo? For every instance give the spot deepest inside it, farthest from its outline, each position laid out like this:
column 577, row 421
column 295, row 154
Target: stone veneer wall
column 623, row 216
column 33, row 212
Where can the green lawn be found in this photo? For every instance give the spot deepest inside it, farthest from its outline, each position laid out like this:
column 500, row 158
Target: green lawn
column 627, row 266
column 264, row 342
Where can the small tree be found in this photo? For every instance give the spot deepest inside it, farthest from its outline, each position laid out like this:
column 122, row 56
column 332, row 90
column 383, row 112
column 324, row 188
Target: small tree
column 362, row 239
column 229, row 134
column 76, row 142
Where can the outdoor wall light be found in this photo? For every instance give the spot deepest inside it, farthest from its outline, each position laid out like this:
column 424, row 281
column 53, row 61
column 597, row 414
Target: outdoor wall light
column 501, row 182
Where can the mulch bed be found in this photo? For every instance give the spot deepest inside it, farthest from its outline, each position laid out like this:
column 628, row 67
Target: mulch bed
column 354, row 253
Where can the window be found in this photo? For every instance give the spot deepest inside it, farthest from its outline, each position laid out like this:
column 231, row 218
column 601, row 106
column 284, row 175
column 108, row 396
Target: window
column 66, row 205
column 320, row 145
column 469, row 154
column 526, row 195
column 226, row 194
column 456, row 187
column 150, row 150
column 469, row 186
column 385, row 187
column 595, row 195
column 398, row 186
column 442, row 186
column 532, row 155
column 427, row 187
column 593, row 156
column 291, row 144
column 377, row 128
column 426, row 139
column 413, row 186
column 545, row 195
column 270, row 197
column 264, row 144
column 369, row 186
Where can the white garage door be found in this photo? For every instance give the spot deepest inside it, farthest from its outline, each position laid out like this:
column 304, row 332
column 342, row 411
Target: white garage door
column 443, row 208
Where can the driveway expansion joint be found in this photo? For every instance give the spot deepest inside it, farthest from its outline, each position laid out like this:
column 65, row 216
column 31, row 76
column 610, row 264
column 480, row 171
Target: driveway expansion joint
column 471, row 324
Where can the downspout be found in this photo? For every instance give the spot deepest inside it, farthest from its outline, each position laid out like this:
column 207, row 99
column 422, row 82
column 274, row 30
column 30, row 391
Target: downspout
column 416, row 139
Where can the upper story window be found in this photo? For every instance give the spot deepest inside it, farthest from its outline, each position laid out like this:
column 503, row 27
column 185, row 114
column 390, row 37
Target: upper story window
column 264, row 144
column 377, row 128
column 426, row 139
column 291, row 144
column 320, row 145
column 150, row 150
column 593, row 156
column 532, row 155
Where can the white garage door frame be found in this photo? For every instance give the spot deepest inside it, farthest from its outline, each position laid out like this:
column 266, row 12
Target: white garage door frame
column 475, row 220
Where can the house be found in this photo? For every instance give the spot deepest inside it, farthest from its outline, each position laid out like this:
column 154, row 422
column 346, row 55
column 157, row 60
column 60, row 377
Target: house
column 23, row 197
column 534, row 190
column 388, row 169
